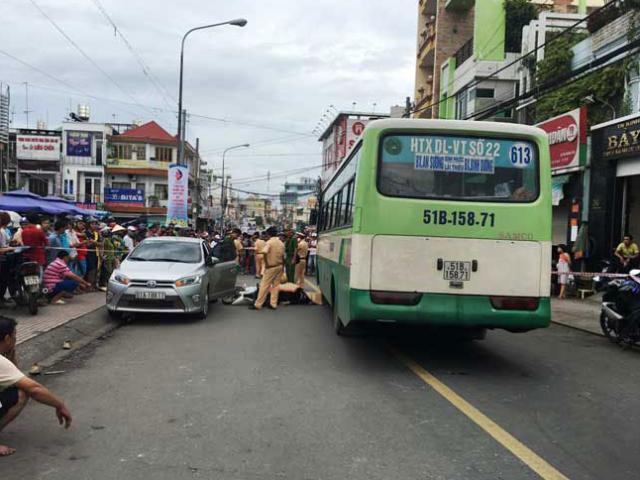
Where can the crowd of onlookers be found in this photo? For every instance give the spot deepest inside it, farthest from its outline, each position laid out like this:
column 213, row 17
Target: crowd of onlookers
column 78, row 254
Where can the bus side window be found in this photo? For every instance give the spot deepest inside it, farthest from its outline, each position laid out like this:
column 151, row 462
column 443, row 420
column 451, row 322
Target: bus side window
column 352, row 191
column 339, row 207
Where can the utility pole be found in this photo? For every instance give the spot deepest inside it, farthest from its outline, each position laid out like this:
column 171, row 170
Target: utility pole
column 27, row 111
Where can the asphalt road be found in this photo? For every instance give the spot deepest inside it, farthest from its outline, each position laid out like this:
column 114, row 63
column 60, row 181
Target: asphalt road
column 276, row 395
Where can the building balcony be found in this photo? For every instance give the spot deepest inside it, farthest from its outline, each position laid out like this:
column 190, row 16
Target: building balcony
column 81, row 161
column 464, row 52
column 427, row 39
column 458, row 5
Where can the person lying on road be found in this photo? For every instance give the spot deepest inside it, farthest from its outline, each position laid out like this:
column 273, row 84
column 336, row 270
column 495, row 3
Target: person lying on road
column 16, row 388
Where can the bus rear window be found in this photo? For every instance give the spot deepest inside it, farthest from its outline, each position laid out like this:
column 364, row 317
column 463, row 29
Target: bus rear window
column 452, row 167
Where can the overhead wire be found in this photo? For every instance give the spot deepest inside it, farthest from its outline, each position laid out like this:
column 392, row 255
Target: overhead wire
column 83, row 53
column 146, row 70
column 517, row 60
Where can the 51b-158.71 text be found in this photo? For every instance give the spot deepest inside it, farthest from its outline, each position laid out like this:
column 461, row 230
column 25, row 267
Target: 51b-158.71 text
column 470, row 219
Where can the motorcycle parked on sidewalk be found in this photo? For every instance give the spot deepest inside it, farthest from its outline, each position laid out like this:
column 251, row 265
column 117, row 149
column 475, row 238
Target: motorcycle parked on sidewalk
column 620, row 317
column 23, row 279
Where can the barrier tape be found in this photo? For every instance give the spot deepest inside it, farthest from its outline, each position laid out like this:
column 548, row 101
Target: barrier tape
column 592, row 274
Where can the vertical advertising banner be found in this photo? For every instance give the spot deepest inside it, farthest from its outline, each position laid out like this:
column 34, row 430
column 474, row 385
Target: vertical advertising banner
column 177, row 212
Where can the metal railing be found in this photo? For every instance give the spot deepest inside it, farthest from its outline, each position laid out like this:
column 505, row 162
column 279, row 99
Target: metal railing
column 464, row 52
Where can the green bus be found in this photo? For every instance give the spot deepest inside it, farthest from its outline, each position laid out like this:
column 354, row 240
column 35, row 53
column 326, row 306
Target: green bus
column 439, row 222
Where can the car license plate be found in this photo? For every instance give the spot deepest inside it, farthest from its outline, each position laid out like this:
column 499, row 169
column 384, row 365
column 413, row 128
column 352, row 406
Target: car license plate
column 31, row 280
column 457, row 271
column 150, row 295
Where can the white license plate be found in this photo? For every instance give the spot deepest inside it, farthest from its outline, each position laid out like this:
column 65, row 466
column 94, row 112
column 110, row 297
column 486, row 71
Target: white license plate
column 31, row 280
column 457, row 271
column 150, row 295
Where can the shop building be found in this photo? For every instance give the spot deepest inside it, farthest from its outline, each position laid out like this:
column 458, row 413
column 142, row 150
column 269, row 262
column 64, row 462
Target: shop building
column 615, row 183
column 569, row 172
column 37, row 154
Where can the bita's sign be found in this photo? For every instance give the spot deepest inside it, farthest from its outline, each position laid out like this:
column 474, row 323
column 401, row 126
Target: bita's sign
column 622, row 139
column 567, row 138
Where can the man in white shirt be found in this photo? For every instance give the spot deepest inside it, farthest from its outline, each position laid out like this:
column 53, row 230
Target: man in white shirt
column 129, row 243
column 16, row 388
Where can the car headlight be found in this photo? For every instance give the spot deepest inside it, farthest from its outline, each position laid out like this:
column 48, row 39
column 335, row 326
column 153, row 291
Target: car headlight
column 121, row 279
column 188, row 281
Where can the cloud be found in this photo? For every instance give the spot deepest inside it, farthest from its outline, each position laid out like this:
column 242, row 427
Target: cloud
column 293, row 59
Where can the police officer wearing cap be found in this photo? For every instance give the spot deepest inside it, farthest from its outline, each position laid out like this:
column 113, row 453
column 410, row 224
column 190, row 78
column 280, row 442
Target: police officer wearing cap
column 273, row 254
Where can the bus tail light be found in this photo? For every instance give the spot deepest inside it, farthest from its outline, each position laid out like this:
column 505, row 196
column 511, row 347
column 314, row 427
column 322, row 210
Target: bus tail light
column 515, row 303
column 395, row 298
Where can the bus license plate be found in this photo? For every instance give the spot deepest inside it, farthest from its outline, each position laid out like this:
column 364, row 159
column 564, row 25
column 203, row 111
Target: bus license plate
column 457, row 271
column 31, row 280
column 150, row 295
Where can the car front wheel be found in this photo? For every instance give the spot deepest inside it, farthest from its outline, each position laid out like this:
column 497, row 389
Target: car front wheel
column 205, row 307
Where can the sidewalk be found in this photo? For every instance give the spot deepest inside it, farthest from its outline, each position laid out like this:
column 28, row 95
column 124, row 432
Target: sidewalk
column 580, row 314
column 52, row 316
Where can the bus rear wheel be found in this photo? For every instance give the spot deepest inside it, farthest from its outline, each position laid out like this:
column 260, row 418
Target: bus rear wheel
column 341, row 330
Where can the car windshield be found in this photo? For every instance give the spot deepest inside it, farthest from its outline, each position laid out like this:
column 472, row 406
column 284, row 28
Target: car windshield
column 180, row 252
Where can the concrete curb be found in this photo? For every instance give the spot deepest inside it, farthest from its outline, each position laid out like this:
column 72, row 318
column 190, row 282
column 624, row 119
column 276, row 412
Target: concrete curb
column 576, row 327
column 46, row 348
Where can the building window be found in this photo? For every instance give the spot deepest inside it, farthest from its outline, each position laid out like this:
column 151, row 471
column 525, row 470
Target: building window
column 461, row 105
column 485, row 92
column 123, row 152
column 141, row 152
column 68, row 187
column 161, row 191
column 126, row 185
column 164, row 154
column 140, row 186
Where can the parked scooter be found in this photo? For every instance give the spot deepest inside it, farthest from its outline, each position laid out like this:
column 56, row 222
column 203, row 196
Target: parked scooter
column 620, row 317
column 23, row 279
column 608, row 267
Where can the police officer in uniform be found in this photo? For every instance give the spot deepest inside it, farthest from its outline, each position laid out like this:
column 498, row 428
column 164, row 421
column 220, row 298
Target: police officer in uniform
column 273, row 254
column 259, row 245
column 302, row 250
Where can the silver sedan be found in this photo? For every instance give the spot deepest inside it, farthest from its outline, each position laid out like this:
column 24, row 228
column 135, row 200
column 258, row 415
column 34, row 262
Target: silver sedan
column 170, row 275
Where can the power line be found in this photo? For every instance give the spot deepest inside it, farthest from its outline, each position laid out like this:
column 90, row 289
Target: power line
column 146, row 70
column 517, row 60
column 54, row 78
column 82, row 52
column 275, row 129
column 573, row 76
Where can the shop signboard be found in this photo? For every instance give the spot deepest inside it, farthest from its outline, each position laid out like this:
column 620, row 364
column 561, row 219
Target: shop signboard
column 177, row 208
column 124, row 196
column 622, row 140
column 78, row 144
column 37, row 147
column 567, row 139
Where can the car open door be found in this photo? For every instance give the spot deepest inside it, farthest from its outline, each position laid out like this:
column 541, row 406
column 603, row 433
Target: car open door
column 225, row 270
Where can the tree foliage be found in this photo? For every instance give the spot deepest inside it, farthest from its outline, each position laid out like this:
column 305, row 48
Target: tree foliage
column 605, row 85
column 518, row 13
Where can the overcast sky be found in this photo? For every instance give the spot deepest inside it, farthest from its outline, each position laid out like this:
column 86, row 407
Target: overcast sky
column 282, row 71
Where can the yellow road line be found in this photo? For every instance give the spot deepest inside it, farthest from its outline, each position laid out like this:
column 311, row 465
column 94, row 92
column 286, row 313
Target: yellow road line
column 521, row 451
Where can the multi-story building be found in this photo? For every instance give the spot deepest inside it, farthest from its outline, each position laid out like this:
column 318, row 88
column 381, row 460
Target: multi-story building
column 294, row 202
column 340, row 136
column 464, row 47
column 84, row 152
column 443, row 26
column 136, row 171
column 4, row 134
column 37, row 156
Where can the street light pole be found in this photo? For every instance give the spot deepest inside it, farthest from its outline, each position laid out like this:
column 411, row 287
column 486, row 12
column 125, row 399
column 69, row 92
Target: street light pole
column 222, row 195
column 239, row 22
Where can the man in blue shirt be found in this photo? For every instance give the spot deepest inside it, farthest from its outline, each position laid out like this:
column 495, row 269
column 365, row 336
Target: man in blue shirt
column 58, row 240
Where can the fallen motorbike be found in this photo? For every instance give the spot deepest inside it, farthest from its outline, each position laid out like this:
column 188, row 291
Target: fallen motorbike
column 23, row 279
column 620, row 317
